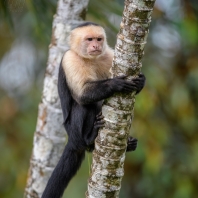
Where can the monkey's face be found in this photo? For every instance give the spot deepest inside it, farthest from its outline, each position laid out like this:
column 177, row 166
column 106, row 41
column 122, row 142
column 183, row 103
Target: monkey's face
column 88, row 42
column 93, row 46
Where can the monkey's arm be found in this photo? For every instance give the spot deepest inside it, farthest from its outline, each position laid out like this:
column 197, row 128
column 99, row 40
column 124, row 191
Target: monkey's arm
column 98, row 90
column 64, row 94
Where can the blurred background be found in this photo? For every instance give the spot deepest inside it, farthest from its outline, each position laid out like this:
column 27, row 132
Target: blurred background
column 165, row 163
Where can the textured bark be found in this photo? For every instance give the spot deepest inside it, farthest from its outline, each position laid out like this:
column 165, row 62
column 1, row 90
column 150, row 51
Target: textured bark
column 110, row 145
column 50, row 137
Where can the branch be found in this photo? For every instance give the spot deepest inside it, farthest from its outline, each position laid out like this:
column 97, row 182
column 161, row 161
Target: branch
column 50, row 137
column 110, row 145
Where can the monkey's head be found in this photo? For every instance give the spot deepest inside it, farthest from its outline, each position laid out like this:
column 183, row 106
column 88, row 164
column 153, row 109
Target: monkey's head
column 88, row 40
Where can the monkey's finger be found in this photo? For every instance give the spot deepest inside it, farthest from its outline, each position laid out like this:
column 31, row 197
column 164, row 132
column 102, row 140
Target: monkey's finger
column 132, row 143
column 99, row 114
column 121, row 77
column 130, row 138
column 131, row 148
column 141, row 75
column 99, row 125
column 138, row 80
column 139, row 86
column 100, row 122
column 130, row 87
column 130, row 84
column 139, row 83
column 99, row 118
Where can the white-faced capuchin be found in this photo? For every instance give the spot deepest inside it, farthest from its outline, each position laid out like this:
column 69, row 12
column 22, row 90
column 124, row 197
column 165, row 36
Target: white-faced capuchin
column 84, row 81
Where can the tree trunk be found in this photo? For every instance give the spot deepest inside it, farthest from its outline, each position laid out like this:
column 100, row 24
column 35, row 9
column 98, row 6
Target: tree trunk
column 50, row 137
column 110, row 145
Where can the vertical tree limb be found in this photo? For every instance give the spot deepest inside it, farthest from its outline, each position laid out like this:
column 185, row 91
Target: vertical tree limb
column 110, row 145
column 49, row 137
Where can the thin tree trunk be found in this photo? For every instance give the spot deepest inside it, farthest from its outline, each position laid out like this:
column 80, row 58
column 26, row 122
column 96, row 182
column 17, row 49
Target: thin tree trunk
column 110, row 145
column 50, row 137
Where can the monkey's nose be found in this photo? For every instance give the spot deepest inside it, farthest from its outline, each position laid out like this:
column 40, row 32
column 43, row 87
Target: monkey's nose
column 95, row 47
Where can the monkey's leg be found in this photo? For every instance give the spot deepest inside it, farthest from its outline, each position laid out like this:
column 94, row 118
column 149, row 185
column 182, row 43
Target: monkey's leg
column 131, row 144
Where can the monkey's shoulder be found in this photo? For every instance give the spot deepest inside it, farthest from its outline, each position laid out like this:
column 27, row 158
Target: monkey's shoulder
column 70, row 59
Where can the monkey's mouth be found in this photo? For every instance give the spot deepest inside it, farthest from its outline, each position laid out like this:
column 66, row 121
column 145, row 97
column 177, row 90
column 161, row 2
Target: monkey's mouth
column 95, row 52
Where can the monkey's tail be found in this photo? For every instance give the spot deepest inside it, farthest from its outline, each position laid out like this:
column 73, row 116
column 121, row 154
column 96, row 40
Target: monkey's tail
column 66, row 168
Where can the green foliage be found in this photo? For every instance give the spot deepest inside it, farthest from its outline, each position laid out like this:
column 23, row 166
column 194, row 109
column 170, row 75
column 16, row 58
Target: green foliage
column 16, row 131
column 165, row 123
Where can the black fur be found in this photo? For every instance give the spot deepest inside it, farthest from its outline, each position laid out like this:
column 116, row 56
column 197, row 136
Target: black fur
column 82, row 120
column 83, row 24
column 66, row 168
column 87, row 24
column 98, row 90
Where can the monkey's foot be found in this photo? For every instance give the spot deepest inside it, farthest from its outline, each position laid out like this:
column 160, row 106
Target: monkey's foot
column 131, row 144
column 99, row 122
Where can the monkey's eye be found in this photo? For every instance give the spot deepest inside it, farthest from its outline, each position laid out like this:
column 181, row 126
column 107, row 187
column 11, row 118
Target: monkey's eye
column 89, row 39
column 99, row 39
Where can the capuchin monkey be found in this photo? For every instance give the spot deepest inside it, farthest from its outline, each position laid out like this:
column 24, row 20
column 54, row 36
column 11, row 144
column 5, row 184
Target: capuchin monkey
column 84, row 81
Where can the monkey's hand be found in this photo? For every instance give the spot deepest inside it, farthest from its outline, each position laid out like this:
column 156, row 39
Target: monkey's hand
column 131, row 144
column 120, row 84
column 140, row 82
